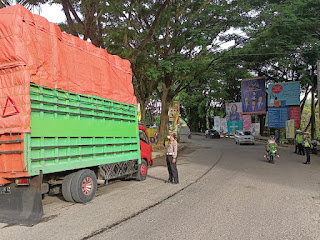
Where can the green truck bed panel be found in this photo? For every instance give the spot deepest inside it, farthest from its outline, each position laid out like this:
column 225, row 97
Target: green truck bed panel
column 72, row 131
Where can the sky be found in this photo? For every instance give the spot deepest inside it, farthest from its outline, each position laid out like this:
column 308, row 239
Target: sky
column 53, row 13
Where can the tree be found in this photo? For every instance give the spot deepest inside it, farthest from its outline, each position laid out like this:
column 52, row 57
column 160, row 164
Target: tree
column 187, row 33
column 283, row 44
column 26, row 3
column 202, row 102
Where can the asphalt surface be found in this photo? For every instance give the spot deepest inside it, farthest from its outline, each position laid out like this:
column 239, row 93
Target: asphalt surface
column 226, row 191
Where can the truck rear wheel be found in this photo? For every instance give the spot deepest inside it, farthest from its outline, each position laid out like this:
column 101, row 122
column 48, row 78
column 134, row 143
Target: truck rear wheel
column 84, row 186
column 143, row 171
column 66, row 187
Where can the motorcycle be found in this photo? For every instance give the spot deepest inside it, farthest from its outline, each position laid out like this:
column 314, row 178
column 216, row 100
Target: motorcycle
column 272, row 153
column 314, row 149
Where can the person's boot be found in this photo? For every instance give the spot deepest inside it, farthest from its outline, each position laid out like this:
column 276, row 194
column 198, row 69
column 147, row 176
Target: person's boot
column 168, row 181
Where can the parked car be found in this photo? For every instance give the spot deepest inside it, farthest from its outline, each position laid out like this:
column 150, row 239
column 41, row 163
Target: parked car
column 243, row 137
column 211, row 133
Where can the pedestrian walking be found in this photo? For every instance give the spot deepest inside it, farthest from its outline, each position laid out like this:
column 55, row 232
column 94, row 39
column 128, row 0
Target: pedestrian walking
column 307, row 146
column 172, row 154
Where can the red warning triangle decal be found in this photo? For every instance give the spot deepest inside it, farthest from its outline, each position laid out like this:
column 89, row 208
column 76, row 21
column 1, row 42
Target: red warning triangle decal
column 9, row 104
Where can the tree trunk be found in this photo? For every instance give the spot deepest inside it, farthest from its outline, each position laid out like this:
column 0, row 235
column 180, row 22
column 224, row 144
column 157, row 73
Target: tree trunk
column 164, row 119
column 303, row 101
column 313, row 115
column 143, row 110
column 143, row 114
column 262, row 127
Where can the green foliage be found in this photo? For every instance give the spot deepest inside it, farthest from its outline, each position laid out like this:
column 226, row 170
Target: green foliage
column 173, row 46
column 305, row 118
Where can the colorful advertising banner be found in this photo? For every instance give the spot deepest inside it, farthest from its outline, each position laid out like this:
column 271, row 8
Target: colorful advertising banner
column 284, row 94
column 223, row 126
column 174, row 111
column 234, row 111
column 294, row 113
column 217, row 126
column 253, row 94
column 290, row 129
column 246, row 122
column 277, row 117
column 234, row 126
column 255, row 129
column 234, row 117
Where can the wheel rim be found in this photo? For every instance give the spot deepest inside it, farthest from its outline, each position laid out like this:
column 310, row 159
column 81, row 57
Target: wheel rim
column 143, row 170
column 87, row 186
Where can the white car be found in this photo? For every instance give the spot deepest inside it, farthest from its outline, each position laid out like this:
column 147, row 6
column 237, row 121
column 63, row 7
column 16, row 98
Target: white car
column 243, row 137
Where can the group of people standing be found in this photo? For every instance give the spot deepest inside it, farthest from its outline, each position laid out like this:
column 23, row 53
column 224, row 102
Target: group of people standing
column 303, row 144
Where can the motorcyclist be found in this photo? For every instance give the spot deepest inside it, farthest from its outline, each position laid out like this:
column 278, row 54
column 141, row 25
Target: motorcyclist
column 189, row 134
column 271, row 142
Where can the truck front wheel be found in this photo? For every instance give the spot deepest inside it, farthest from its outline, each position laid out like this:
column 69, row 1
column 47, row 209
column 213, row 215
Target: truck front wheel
column 143, row 170
column 84, row 186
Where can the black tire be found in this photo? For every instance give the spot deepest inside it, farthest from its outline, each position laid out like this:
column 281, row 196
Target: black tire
column 66, row 187
column 80, row 193
column 271, row 159
column 143, row 171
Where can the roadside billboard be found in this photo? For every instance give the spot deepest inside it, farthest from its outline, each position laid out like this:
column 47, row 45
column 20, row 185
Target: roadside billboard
column 234, row 111
column 277, row 117
column 216, row 121
column 294, row 113
column 246, row 122
column 234, row 116
column 234, row 126
column 255, row 129
column 223, row 125
column 284, row 94
column 253, row 94
column 290, row 129
column 174, row 111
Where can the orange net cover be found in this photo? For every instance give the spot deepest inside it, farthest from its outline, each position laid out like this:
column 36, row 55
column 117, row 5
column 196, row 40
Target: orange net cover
column 34, row 50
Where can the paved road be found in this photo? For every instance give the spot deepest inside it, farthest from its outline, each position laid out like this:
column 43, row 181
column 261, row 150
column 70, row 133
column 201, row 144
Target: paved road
column 226, row 191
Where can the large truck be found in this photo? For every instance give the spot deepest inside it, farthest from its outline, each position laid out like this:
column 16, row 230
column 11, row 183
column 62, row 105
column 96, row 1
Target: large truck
column 69, row 117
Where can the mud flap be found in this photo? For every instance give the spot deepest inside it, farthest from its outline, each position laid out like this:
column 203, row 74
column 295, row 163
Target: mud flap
column 22, row 204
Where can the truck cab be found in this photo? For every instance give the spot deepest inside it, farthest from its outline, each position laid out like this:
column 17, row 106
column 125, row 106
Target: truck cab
column 145, row 145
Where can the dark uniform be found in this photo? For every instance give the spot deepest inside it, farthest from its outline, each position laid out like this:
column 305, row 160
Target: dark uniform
column 172, row 153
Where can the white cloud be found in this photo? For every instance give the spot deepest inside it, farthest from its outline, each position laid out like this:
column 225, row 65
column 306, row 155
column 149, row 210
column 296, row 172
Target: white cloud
column 53, row 13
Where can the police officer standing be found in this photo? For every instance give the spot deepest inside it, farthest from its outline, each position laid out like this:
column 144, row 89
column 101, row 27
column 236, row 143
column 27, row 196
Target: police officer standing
column 300, row 143
column 296, row 141
column 172, row 153
column 307, row 146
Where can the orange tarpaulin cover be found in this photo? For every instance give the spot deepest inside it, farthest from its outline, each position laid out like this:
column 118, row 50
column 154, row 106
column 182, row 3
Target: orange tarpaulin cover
column 34, row 50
